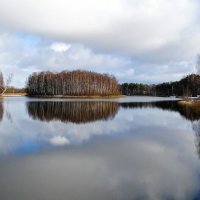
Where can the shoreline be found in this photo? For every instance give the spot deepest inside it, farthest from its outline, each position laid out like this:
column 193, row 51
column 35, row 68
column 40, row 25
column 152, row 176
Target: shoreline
column 61, row 96
column 76, row 97
column 13, row 95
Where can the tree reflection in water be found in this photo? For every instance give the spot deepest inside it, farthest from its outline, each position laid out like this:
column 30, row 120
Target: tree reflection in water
column 196, row 128
column 1, row 111
column 188, row 113
column 76, row 112
column 88, row 111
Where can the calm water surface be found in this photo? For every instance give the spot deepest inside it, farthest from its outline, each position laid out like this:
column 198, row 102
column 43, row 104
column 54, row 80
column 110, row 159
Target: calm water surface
column 121, row 149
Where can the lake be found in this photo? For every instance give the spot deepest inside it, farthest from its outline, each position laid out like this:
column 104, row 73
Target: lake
column 88, row 149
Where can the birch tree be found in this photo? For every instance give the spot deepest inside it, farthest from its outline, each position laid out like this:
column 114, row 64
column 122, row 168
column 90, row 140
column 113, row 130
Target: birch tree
column 4, row 87
column 72, row 83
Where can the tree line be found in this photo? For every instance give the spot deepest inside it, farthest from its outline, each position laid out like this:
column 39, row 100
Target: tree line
column 72, row 83
column 132, row 89
column 187, row 86
column 86, row 83
column 15, row 90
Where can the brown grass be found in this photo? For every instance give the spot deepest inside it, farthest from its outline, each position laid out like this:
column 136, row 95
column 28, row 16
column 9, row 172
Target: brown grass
column 13, row 94
column 190, row 103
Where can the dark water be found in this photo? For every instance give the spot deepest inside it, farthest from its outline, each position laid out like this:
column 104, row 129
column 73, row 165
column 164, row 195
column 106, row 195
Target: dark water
column 123, row 149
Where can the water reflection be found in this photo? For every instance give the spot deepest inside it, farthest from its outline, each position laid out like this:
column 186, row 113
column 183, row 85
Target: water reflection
column 146, row 151
column 185, row 111
column 196, row 128
column 90, row 111
column 127, row 169
column 1, row 111
column 76, row 112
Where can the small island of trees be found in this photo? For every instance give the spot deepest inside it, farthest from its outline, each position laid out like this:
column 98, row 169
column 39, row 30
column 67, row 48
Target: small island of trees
column 72, row 83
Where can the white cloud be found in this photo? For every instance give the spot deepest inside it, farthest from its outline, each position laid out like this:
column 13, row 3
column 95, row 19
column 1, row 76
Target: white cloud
column 59, row 140
column 137, row 41
column 22, row 57
column 37, row 55
column 133, row 27
column 60, row 47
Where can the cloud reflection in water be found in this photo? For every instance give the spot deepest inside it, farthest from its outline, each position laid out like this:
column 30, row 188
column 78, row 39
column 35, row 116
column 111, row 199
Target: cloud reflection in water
column 144, row 151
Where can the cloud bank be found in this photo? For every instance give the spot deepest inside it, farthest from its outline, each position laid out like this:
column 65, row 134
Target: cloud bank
column 137, row 41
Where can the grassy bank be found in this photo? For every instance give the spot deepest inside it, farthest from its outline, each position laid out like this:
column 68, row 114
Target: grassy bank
column 13, row 94
column 194, row 104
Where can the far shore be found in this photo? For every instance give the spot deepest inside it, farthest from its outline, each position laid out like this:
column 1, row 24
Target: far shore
column 60, row 96
column 13, row 95
column 76, row 97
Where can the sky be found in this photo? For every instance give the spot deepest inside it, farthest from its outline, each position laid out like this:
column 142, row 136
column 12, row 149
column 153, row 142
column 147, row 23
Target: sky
column 143, row 41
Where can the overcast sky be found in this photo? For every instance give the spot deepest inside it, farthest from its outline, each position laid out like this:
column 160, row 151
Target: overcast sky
column 148, row 41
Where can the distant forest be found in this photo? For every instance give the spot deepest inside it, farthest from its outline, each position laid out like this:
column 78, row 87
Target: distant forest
column 187, row 86
column 72, row 83
column 86, row 83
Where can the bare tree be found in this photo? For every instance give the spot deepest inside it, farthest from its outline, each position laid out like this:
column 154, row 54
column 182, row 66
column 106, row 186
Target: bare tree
column 4, row 87
column 73, row 83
